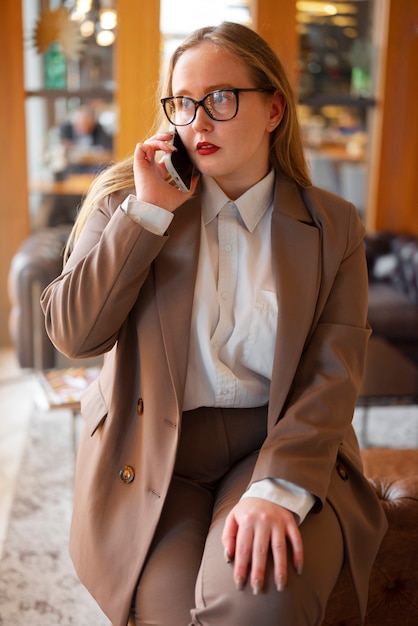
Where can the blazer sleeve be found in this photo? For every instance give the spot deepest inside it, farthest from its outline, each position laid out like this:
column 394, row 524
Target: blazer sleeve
column 87, row 304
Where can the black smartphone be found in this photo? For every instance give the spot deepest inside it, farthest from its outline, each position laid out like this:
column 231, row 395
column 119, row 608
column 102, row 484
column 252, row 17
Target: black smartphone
column 178, row 164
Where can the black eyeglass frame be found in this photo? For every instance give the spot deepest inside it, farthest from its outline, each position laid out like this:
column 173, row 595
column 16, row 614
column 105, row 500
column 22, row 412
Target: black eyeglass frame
column 198, row 103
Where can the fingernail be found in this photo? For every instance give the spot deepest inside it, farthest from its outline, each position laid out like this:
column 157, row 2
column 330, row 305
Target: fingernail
column 280, row 583
column 239, row 583
column 226, row 556
column 299, row 568
column 256, row 588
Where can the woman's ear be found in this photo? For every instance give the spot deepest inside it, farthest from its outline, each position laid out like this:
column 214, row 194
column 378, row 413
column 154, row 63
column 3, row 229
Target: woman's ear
column 277, row 109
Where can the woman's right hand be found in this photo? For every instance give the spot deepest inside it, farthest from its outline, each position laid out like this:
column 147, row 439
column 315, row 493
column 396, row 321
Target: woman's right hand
column 151, row 175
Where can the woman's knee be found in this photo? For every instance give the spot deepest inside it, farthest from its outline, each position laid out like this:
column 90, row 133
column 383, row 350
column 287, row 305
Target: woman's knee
column 302, row 602
column 218, row 602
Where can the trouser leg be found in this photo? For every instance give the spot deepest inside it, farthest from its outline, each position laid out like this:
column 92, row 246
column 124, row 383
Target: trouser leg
column 165, row 593
column 211, row 441
column 304, row 599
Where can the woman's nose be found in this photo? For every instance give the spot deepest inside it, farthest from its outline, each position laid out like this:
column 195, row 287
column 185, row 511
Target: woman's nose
column 202, row 122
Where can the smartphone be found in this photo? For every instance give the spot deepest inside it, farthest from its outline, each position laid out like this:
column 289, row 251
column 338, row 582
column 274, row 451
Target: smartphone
column 178, row 164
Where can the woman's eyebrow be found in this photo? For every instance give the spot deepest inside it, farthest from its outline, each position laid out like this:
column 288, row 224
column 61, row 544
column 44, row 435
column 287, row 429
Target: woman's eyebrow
column 188, row 93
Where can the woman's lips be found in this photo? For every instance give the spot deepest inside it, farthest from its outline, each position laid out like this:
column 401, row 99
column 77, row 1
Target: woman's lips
column 204, row 148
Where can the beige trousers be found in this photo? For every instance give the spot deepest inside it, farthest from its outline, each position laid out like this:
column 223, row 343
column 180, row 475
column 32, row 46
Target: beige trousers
column 186, row 580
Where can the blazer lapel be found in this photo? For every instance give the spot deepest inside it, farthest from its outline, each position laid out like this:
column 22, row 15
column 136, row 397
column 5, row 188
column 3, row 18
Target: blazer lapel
column 297, row 268
column 175, row 275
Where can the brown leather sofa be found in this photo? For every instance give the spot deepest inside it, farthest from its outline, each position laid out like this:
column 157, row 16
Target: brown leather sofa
column 393, row 591
column 392, row 261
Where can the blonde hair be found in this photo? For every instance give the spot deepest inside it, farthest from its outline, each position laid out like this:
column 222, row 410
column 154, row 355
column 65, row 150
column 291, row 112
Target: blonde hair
column 286, row 150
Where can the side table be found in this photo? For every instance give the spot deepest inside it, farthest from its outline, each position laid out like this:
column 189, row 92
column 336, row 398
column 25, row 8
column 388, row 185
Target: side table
column 62, row 389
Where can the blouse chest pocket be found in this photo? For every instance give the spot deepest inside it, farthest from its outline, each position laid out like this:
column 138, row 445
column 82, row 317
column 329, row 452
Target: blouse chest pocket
column 258, row 350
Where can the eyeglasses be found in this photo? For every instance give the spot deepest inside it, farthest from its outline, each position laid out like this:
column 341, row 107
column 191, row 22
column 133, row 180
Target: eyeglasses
column 221, row 105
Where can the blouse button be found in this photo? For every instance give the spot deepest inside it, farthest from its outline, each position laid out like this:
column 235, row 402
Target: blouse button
column 140, row 406
column 127, row 474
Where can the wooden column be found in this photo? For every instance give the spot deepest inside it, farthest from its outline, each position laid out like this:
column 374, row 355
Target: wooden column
column 394, row 158
column 276, row 22
column 137, row 71
column 14, row 212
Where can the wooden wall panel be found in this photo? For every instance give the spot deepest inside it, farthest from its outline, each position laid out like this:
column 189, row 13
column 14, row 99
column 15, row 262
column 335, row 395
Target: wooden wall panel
column 137, row 71
column 276, row 22
column 393, row 201
column 14, row 213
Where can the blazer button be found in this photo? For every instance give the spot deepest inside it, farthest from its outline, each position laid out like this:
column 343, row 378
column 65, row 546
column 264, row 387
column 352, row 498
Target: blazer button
column 140, row 406
column 127, row 474
column 342, row 472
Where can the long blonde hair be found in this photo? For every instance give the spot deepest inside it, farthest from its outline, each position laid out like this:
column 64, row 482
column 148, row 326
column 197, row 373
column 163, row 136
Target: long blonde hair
column 286, row 150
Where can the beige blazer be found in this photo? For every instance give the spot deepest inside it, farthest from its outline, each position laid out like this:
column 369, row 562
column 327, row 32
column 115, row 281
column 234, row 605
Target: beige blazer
column 129, row 293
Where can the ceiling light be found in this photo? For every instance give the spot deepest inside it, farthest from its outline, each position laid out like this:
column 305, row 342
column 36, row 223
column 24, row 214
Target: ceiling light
column 107, row 19
column 343, row 20
column 87, row 28
column 76, row 16
column 83, row 6
column 347, row 8
column 317, row 8
column 105, row 37
column 352, row 33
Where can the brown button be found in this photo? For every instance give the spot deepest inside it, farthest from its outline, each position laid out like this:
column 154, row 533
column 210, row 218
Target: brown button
column 140, row 406
column 127, row 474
column 342, row 472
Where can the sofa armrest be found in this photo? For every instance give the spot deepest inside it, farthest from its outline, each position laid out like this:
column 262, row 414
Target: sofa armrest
column 394, row 578
column 393, row 596
column 36, row 263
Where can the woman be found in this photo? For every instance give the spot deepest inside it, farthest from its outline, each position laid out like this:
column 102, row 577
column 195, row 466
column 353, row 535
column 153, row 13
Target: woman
column 218, row 478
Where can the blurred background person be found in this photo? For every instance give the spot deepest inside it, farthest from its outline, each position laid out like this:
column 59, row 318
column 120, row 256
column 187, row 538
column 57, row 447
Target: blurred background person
column 86, row 142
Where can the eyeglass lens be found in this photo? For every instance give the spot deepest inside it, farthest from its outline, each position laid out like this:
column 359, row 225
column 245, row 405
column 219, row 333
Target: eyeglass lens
column 219, row 105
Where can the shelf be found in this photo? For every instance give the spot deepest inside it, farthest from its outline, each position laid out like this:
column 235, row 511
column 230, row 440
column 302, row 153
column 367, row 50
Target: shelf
column 102, row 93
column 319, row 100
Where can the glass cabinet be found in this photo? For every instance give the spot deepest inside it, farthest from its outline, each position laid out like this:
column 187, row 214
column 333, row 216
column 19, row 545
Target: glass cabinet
column 337, row 80
column 70, row 111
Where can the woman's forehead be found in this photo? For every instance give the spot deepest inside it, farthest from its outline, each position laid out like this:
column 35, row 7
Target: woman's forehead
column 209, row 66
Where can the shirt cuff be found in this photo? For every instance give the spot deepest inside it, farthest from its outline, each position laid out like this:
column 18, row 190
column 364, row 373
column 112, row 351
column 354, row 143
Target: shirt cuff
column 286, row 494
column 151, row 217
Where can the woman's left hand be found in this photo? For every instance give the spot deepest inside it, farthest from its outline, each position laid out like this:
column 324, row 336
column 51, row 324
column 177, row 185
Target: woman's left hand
column 252, row 528
column 151, row 175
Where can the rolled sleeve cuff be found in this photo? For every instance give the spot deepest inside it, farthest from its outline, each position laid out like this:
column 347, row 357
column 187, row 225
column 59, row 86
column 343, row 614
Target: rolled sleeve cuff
column 151, row 217
column 286, row 494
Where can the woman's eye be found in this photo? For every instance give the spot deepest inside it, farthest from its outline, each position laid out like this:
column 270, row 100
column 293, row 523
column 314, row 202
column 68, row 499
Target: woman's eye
column 185, row 104
column 220, row 97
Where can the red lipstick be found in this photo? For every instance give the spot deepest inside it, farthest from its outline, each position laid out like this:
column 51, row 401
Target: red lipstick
column 204, row 148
